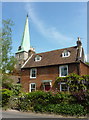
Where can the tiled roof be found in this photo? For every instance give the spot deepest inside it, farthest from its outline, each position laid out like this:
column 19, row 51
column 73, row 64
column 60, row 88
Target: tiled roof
column 53, row 58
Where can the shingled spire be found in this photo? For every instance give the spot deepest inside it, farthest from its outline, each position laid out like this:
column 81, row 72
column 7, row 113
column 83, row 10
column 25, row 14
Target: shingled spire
column 25, row 44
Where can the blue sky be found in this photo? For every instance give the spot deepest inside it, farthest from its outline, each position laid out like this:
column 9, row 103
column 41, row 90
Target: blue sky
column 52, row 25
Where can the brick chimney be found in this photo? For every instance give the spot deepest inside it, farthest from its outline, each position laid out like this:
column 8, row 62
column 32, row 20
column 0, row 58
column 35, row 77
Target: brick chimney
column 80, row 51
column 31, row 51
column 79, row 44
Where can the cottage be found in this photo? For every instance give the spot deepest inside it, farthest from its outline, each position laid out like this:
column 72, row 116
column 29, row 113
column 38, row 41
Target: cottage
column 40, row 70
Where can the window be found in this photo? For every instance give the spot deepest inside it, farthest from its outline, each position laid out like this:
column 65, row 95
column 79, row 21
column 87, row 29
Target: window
column 37, row 58
column 63, row 71
column 32, row 87
column 33, row 72
column 65, row 53
column 64, row 87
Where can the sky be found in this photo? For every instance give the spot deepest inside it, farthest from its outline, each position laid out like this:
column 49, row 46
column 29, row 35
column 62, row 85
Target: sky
column 53, row 25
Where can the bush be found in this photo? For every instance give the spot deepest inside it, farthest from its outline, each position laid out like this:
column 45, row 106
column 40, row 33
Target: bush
column 16, row 88
column 39, row 101
column 24, row 102
column 63, row 109
column 62, row 97
column 40, row 97
column 6, row 94
column 69, row 109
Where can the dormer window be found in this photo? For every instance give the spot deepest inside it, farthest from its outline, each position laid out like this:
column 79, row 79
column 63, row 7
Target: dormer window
column 65, row 53
column 37, row 58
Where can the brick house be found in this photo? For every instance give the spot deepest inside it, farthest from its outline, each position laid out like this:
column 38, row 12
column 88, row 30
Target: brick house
column 40, row 70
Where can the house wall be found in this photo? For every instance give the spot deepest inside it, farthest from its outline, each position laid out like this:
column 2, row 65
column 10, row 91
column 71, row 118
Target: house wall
column 84, row 69
column 44, row 73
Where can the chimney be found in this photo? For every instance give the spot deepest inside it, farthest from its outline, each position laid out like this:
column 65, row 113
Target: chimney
column 31, row 51
column 80, row 52
column 79, row 42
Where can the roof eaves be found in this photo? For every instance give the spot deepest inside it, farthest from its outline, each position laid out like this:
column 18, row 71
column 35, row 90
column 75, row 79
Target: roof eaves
column 26, row 61
column 52, row 65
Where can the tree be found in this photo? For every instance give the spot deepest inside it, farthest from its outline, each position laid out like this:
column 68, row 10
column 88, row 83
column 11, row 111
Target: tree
column 8, row 60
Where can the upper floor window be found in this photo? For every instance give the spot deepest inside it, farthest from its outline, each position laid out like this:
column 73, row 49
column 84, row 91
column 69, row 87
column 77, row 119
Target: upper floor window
column 63, row 70
column 33, row 72
column 65, row 53
column 37, row 58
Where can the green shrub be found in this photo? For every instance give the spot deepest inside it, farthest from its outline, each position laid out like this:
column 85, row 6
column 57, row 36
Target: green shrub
column 16, row 88
column 47, row 108
column 6, row 94
column 40, row 97
column 62, row 97
column 39, row 108
column 24, row 103
column 39, row 101
column 63, row 109
column 70, row 109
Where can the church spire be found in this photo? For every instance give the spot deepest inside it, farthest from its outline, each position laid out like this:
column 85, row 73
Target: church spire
column 25, row 44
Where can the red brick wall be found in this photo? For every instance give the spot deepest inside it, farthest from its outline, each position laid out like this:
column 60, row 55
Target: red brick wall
column 44, row 73
column 73, row 68
column 84, row 69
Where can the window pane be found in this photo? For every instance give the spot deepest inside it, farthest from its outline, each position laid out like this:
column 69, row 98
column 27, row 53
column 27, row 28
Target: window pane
column 32, row 85
column 33, row 72
column 64, row 87
column 63, row 71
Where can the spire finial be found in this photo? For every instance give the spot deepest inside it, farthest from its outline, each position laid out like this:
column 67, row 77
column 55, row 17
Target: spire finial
column 27, row 14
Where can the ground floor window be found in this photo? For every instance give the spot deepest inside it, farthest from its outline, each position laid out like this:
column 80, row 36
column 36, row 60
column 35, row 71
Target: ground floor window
column 47, row 85
column 64, row 87
column 32, row 87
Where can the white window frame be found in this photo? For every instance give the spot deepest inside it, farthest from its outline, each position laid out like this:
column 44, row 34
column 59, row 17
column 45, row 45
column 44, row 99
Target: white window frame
column 61, row 86
column 60, row 70
column 31, row 73
column 38, row 57
column 31, row 88
column 64, row 54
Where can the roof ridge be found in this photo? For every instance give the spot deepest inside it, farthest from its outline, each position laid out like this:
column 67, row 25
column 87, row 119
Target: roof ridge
column 55, row 50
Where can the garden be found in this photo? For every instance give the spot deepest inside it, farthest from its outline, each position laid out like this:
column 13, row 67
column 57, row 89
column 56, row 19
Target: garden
column 73, row 103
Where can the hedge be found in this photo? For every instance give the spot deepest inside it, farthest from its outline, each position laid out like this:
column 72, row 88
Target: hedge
column 39, row 101
column 63, row 109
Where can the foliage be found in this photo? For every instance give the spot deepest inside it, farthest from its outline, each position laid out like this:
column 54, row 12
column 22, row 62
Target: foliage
column 86, row 81
column 70, row 109
column 16, row 88
column 74, row 81
column 6, row 94
column 62, row 97
column 73, row 103
column 82, row 97
column 40, row 97
column 8, row 60
column 24, row 103
column 64, row 109
column 7, row 81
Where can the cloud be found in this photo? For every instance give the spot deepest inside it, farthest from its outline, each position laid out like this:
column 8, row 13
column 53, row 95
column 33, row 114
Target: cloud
column 50, row 33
